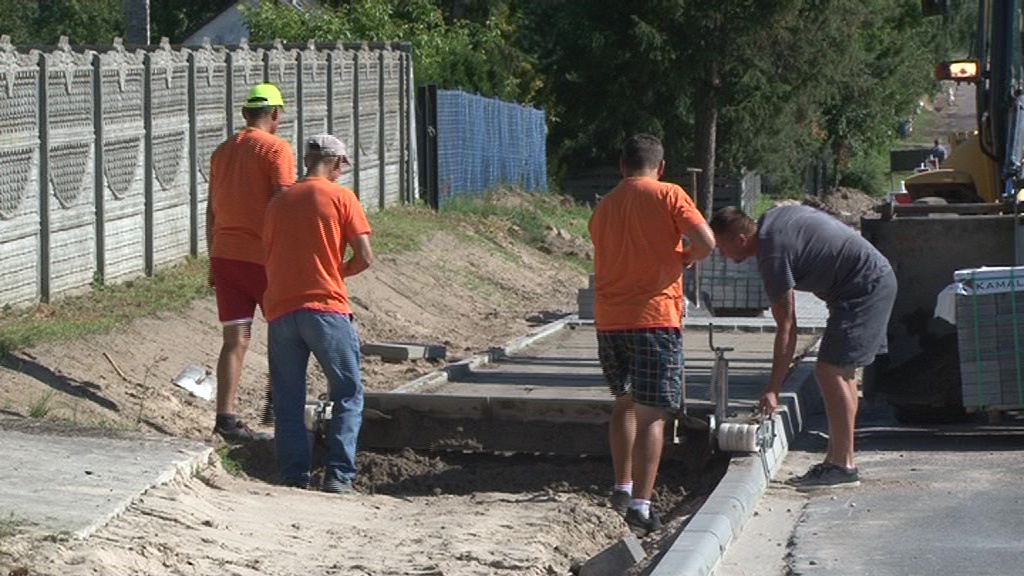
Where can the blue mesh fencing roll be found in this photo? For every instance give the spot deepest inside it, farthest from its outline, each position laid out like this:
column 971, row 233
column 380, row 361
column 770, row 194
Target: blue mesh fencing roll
column 484, row 143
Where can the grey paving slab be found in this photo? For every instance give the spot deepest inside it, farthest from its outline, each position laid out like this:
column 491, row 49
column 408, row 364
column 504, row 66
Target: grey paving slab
column 811, row 316
column 565, row 365
column 73, row 485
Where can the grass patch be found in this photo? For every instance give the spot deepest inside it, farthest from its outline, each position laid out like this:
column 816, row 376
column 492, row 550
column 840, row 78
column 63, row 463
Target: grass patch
column 229, row 463
column 105, row 308
column 40, row 408
column 402, row 228
column 532, row 214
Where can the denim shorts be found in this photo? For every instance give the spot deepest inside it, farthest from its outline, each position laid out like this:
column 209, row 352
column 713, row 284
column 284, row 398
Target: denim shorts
column 856, row 329
column 644, row 362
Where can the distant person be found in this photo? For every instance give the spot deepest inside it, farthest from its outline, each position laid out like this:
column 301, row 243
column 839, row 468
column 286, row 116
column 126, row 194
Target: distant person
column 801, row 248
column 938, row 152
column 637, row 230
column 308, row 229
column 246, row 171
column 904, row 128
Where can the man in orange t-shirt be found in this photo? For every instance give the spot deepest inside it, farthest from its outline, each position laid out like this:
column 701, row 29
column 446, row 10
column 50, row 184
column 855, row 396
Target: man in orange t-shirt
column 638, row 231
column 246, row 171
column 308, row 228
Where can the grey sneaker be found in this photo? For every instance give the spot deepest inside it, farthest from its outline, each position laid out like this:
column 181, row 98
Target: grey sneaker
column 241, row 433
column 642, row 526
column 335, row 486
column 620, row 501
column 824, row 476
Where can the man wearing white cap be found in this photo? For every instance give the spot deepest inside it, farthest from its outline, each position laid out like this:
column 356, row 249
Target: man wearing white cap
column 306, row 232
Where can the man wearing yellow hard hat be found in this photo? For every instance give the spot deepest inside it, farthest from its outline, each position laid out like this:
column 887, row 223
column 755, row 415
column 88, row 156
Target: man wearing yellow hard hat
column 246, row 171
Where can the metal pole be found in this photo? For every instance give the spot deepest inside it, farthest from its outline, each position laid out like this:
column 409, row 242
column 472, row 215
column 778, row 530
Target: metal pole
column 693, row 172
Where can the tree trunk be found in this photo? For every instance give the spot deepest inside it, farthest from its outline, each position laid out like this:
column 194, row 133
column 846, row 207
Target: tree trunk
column 706, row 128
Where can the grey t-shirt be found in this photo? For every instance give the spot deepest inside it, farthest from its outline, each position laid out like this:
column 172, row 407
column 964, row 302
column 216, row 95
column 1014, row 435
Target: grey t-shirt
column 805, row 249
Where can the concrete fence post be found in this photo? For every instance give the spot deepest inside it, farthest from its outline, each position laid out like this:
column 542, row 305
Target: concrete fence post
column 383, row 69
column 356, row 152
column 193, row 160
column 147, row 163
column 44, row 180
column 97, row 123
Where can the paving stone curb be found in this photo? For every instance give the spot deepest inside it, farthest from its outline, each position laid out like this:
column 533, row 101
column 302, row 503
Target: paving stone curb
column 700, row 546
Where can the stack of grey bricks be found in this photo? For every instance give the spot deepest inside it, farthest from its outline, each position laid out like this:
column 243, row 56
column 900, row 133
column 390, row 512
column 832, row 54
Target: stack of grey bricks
column 990, row 333
column 727, row 287
column 585, row 300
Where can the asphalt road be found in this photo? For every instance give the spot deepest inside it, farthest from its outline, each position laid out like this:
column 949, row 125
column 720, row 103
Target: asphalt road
column 934, row 501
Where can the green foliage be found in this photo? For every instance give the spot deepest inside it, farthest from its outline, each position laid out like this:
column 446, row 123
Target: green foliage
column 177, row 19
column 867, row 170
column 469, row 55
column 98, row 22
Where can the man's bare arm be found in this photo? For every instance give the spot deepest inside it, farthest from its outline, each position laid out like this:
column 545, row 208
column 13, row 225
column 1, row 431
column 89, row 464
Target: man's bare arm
column 784, row 312
column 362, row 256
column 701, row 244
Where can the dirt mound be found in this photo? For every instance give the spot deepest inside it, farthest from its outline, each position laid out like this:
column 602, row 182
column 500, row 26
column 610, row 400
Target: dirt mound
column 846, row 204
column 464, row 289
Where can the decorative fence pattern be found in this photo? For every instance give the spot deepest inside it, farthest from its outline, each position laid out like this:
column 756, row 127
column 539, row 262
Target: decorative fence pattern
column 472, row 144
column 105, row 153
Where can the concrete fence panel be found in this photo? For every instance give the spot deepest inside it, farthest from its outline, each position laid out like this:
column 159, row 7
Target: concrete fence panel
column 341, row 119
column 390, row 126
column 209, row 94
column 19, row 188
column 67, row 197
column 120, row 179
column 106, row 151
column 313, row 97
column 369, row 81
column 168, row 155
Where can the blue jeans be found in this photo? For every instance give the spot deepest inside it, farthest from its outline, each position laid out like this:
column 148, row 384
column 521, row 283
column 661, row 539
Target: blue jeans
column 332, row 338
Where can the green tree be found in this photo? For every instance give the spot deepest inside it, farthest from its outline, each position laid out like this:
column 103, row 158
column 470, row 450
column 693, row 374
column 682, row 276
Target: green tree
column 456, row 53
column 176, row 19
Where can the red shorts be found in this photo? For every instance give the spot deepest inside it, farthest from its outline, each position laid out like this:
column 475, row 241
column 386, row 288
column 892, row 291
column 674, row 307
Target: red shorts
column 239, row 286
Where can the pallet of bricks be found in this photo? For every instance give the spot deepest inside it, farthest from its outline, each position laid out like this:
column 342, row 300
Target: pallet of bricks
column 990, row 334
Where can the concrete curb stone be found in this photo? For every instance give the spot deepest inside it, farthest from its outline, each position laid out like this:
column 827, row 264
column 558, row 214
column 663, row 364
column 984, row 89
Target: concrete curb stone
column 700, row 546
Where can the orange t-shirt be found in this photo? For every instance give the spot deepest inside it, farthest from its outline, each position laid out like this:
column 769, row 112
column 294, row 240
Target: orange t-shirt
column 637, row 232
column 306, row 232
column 244, row 172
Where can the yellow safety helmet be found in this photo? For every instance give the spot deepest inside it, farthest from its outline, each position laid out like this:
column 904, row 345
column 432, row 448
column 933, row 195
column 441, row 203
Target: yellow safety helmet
column 262, row 95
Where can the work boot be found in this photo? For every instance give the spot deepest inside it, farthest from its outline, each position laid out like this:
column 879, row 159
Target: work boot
column 642, row 526
column 335, row 486
column 824, row 476
column 620, row 501
column 233, row 430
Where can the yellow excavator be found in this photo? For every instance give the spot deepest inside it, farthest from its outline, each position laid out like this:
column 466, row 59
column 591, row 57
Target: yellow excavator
column 966, row 214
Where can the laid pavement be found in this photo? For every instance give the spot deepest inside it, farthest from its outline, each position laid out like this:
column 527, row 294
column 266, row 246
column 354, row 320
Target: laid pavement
column 934, row 500
column 59, row 481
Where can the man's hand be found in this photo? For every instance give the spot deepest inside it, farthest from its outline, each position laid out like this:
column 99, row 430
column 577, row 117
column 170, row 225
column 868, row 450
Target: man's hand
column 769, row 402
column 688, row 260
